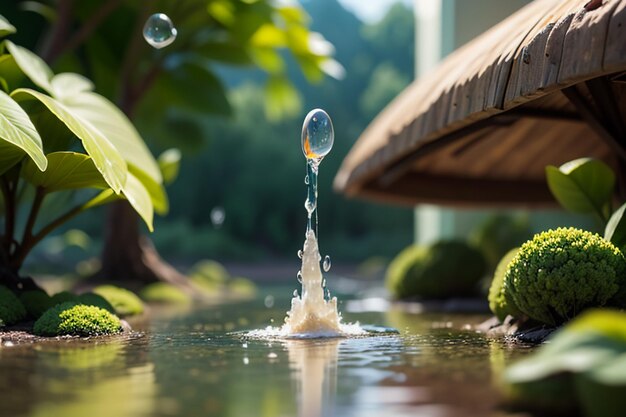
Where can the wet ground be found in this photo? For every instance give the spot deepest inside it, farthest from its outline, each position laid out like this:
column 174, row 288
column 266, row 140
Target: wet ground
column 200, row 362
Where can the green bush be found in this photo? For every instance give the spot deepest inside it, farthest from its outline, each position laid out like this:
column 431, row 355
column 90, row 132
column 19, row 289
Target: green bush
column 209, row 273
column 11, row 309
column 561, row 272
column 444, row 269
column 164, row 293
column 63, row 297
column 36, row 302
column 93, row 299
column 70, row 318
column 499, row 304
column 125, row 302
column 242, row 287
column 498, row 234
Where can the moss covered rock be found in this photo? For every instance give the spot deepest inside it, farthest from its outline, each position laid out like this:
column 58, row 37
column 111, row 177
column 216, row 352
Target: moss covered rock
column 63, row 297
column 444, row 269
column 11, row 309
column 164, row 293
column 36, row 302
column 499, row 303
column 93, row 299
column 125, row 302
column 561, row 272
column 70, row 318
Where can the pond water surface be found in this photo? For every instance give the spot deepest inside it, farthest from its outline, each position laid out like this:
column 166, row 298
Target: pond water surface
column 199, row 362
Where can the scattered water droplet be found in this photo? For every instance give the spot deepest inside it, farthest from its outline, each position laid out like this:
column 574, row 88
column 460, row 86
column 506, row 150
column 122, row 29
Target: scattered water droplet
column 324, row 283
column 295, row 293
column 269, row 301
column 299, row 277
column 218, row 215
column 246, row 361
column 245, row 346
column 326, row 263
column 306, row 180
column 272, row 355
column 300, row 253
column 159, row 31
column 318, row 135
column 310, row 206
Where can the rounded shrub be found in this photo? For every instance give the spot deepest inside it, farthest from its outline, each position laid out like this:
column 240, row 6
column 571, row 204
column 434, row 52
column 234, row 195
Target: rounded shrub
column 125, row 302
column 444, row 269
column 70, row 318
column 208, row 274
column 93, row 299
column 63, row 297
column 36, row 302
column 164, row 293
column 561, row 272
column 499, row 303
column 11, row 309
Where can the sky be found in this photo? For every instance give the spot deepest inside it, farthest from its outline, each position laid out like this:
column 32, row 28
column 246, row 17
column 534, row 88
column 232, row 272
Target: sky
column 370, row 10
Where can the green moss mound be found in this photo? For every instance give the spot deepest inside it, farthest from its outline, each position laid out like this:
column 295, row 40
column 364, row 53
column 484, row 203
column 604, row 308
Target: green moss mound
column 125, row 302
column 242, row 287
column 561, row 272
column 93, row 299
column 444, row 269
column 209, row 275
column 74, row 319
column 163, row 293
column 499, row 234
column 36, row 302
column 499, row 303
column 63, row 297
column 11, row 309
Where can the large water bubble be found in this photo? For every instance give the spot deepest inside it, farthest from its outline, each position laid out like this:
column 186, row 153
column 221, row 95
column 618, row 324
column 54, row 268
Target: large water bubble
column 159, row 31
column 317, row 134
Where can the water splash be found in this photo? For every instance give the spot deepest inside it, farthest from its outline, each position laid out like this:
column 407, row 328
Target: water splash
column 327, row 264
column 159, row 31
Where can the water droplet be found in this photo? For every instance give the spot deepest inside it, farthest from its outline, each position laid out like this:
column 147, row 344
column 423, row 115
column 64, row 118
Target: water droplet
column 159, row 31
column 269, row 301
column 309, row 206
column 246, row 361
column 272, row 355
column 295, row 293
column 300, row 253
column 299, row 277
column 317, row 134
column 324, row 283
column 306, row 180
column 326, row 265
column 218, row 215
column 245, row 346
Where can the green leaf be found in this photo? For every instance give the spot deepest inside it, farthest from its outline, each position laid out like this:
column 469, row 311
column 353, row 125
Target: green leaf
column 18, row 136
column 105, row 156
column 139, row 197
column 115, row 126
column 10, row 73
column 68, row 84
column 582, row 186
column 5, row 27
column 169, row 163
column 157, row 193
column 615, row 230
column 281, row 99
column 66, row 171
column 31, row 65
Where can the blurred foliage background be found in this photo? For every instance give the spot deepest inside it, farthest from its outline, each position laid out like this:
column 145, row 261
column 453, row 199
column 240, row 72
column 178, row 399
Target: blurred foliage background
column 242, row 157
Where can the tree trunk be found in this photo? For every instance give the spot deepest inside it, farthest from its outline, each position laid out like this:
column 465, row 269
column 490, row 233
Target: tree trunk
column 131, row 257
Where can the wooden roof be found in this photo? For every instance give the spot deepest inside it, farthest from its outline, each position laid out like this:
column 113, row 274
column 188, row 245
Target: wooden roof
column 545, row 86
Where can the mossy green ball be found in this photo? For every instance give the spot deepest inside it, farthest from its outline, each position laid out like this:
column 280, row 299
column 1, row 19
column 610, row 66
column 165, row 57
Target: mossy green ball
column 561, row 272
column 70, row 318
column 444, row 269
column 499, row 303
column 11, row 309
column 125, row 302
column 93, row 299
column 164, row 293
column 36, row 302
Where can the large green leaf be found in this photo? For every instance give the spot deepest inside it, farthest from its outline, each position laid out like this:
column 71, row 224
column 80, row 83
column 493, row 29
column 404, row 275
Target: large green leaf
column 115, row 126
column 5, row 27
column 68, row 84
column 31, row 65
column 10, row 74
column 66, row 170
column 157, row 193
column 582, row 186
column 615, row 230
column 139, row 197
column 169, row 164
column 105, row 156
column 17, row 136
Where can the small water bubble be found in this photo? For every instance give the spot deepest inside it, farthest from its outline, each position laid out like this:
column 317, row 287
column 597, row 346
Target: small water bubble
column 269, row 301
column 324, row 283
column 246, row 361
column 306, row 180
column 309, row 206
column 218, row 215
column 300, row 253
column 327, row 263
column 244, row 345
column 272, row 355
column 295, row 293
column 299, row 277
column 318, row 135
column 159, row 31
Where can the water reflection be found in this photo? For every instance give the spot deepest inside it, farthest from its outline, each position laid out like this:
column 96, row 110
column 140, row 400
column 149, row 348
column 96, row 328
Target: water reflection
column 315, row 370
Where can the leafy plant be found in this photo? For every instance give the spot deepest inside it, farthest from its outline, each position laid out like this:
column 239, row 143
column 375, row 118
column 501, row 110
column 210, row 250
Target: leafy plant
column 58, row 136
column 587, row 185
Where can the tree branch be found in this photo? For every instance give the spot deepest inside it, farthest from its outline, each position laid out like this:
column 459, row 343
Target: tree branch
column 58, row 32
column 9, row 219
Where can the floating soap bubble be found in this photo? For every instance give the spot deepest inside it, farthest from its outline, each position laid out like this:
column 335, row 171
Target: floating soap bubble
column 269, row 301
column 318, row 135
column 326, row 263
column 159, row 31
column 218, row 215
